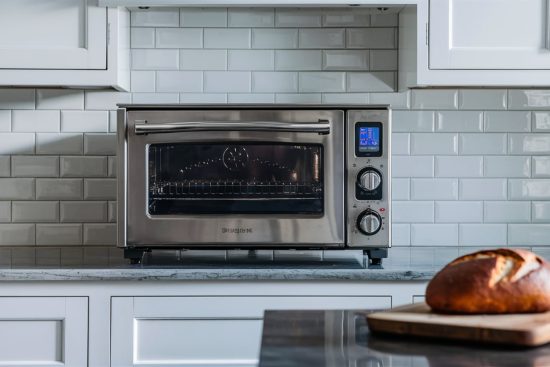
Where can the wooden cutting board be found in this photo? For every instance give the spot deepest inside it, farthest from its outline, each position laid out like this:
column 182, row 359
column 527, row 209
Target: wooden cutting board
column 418, row 320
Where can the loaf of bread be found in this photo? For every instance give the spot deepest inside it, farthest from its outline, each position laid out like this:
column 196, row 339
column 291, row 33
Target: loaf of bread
column 492, row 282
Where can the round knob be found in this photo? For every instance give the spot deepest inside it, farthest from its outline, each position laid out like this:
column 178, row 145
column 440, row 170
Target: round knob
column 369, row 222
column 370, row 180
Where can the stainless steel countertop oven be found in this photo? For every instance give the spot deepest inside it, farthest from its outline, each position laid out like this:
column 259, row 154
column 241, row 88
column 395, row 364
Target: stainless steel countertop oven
column 254, row 177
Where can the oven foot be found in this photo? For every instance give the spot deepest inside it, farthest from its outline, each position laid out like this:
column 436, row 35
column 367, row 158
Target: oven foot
column 135, row 255
column 373, row 257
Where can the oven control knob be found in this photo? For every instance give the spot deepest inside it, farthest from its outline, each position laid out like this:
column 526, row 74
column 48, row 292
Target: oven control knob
column 369, row 180
column 369, row 222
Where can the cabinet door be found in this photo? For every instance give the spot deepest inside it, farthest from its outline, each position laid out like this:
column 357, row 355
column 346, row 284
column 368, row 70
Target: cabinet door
column 206, row 331
column 44, row 331
column 52, row 34
column 489, row 34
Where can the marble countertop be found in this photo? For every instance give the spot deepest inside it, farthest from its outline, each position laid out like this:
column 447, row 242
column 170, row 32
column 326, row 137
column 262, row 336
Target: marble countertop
column 294, row 272
column 342, row 338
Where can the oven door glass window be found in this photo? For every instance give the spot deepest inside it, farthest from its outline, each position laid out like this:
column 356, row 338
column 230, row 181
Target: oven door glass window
column 245, row 178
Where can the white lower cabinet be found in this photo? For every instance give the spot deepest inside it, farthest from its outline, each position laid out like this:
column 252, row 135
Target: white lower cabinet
column 167, row 331
column 44, row 331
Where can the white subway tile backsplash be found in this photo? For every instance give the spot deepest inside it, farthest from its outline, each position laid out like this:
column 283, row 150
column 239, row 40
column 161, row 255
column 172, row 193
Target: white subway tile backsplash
column 59, row 99
column 377, row 38
column 345, row 59
column 328, row 81
column 525, row 189
column 17, row 99
column 179, row 81
column 84, row 121
column 434, row 144
column 100, row 144
column 227, row 38
column 507, row 211
column 508, row 166
column 377, row 81
column 482, row 144
column 412, row 121
column 507, row 121
column 203, row 98
column 158, row 17
column 321, row 38
column 16, row 143
column 5, row 211
column 99, row 189
column 400, row 144
column 258, row 17
column 540, row 212
column 541, row 120
column 298, row 98
column 483, row 189
column 345, row 18
column 409, row 166
column 434, row 234
column 35, row 166
column 5, row 166
column 434, row 99
column 384, row 20
column 142, row 38
column 203, row 60
column 154, row 98
column 142, row 81
column 203, row 17
column 58, row 143
column 382, row 60
column 434, row 189
column 251, row 98
column 482, row 99
column 529, row 99
column 17, row 234
column 449, row 166
column 112, row 211
column 179, row 38
column 274, row 82
column 482, row 235
column 335, row 98
column 35, row 121
column 400, row 189
column 111, row 166
column 59, row 234
column 17, row 188
column 5, row 120
column 105, row 99
column 275, row 38
column 155, row 59
column 298, row 17
column 83, row 166
column 251, row 60
column 413, row 211
column 401, row 235
column 99, row 234
column 59, row 189
column 459, row 121
column 227, row 81
column 298, row 60
column 541, row 166
column 83, row 211
column 529, row 144
column 35, row 211
column 528, row 234
column 459, row 211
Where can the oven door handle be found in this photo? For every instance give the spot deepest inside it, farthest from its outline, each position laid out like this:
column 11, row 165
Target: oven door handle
column 319, row 127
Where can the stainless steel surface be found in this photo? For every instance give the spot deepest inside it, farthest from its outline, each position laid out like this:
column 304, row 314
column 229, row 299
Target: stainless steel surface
column 354, row 165
column 370, row 180
column 319, row 127
column 369, row 223
column 258, row 230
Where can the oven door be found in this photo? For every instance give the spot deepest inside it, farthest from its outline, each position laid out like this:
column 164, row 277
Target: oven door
column 234, row 178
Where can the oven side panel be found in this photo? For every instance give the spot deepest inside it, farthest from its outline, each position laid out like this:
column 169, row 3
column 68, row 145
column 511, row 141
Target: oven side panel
column 122, row 176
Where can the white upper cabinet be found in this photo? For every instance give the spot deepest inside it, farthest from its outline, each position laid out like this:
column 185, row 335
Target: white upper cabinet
column 489, row 34
column 63, row 43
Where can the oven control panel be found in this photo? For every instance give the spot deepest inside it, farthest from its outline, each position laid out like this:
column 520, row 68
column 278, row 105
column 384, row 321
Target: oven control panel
column 368, row 179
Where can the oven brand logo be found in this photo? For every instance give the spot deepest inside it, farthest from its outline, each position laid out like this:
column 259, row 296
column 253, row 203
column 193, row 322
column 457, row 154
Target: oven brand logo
column 237, row 230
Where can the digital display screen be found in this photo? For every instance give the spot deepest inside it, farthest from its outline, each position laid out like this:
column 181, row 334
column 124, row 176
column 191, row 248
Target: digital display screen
column 369, row 139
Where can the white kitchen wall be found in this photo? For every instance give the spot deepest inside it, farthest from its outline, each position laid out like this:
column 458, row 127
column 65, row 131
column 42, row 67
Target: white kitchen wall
column 471, row 167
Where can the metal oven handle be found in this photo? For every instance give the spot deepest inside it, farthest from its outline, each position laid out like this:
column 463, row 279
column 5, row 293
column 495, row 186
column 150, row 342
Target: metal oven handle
column 319, row 127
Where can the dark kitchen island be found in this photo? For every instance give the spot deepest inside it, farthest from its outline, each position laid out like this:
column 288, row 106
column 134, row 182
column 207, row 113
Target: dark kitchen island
column 342, row 338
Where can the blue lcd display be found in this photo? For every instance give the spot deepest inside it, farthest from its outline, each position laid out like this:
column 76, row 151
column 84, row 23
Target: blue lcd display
column 369, row 139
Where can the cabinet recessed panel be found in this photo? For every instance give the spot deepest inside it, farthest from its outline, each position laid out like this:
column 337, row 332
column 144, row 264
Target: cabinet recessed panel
column 52, row 34
column 25, row 341
column 489, row 34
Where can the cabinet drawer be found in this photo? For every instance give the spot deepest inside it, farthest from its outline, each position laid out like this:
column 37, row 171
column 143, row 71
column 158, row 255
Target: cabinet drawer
column 156, row 331
column 45, row 331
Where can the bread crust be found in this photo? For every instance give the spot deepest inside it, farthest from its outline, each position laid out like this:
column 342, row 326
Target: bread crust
column 492, row 282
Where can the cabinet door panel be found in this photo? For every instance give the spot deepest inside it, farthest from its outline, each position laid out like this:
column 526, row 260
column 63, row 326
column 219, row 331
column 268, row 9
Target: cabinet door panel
column 53, row 34
column 489, row 34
